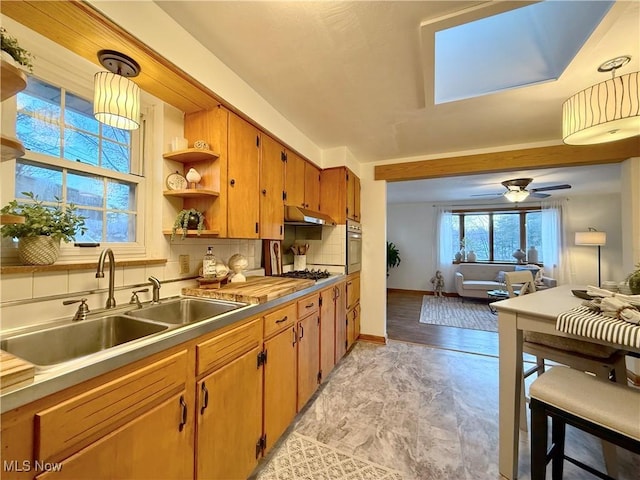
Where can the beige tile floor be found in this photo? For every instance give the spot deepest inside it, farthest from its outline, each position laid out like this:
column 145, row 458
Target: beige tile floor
column 428, row 412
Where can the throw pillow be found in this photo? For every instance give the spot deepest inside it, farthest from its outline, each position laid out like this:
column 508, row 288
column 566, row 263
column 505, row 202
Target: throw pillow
column 500, row 277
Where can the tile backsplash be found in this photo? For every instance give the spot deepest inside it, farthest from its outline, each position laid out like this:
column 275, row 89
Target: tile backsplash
column 33, row 298
column 329, row 250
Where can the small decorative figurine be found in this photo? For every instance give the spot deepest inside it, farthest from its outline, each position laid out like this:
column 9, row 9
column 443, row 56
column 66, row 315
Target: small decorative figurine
column 238, row 263
column 438, row 283
column 193, row 177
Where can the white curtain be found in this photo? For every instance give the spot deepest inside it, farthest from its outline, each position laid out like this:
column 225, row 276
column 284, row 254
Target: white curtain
column 444, row 248
column 554, row 249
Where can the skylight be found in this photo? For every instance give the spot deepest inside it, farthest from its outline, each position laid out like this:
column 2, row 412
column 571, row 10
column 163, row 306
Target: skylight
column 521, row 47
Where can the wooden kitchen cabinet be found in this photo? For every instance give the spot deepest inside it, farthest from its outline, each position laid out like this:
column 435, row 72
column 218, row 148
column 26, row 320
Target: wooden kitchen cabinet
column 229, row 403
column 271, row 189
column 243, row 170
column 328, row 319
column 353, row 308
column 311, row 187
column 308, row 348
column 341, row 321
column 154, row 445
column 340, row 194
column 210, row 126
column 294, row 179
column 302, row 182
column 280, row 377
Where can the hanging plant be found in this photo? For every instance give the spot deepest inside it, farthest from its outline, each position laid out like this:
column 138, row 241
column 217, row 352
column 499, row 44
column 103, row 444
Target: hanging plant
column 10, row 45
column 191, row 219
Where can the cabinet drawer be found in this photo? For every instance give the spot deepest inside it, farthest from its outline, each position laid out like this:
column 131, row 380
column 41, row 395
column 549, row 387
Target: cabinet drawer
column 83, row 418
column 308, row 305
column 220, row 350
column 280, row 319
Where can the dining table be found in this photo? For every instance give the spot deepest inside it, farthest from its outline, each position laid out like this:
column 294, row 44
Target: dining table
column 555, row 311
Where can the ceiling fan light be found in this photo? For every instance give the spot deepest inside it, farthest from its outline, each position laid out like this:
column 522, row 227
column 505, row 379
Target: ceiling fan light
column 605, row 112
column 516, row 195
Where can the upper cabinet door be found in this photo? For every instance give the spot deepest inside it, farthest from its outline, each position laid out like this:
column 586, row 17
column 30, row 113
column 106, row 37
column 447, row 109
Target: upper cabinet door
column 311, row 187
column 333, row 193
column 351, row 195
column 271, row 189
column 243, row 179
column 356, row 199
column 294, row 180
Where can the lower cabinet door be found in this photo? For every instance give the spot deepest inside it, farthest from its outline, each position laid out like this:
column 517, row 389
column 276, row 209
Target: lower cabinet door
column 156, row 445
column 229, row 426
column 351, row 327
column 279, row 385
column 308, row 357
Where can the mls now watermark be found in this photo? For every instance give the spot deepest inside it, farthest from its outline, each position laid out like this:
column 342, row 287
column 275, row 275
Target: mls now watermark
column 29, row 466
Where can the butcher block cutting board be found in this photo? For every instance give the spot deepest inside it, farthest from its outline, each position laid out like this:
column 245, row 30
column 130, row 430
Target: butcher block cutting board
column 254, row 290
column 14, row 371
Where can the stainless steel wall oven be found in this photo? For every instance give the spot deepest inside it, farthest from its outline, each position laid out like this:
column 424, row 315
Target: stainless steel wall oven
column 354, row 246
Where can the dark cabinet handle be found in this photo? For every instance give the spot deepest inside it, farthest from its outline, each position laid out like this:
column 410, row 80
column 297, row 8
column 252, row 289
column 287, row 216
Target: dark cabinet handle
column 264, row 191
column 310, row 305
column 295, row 336
column 183, row 420
column 301, row 332
column 232, row 182
column 205, row 399
column 283, row 319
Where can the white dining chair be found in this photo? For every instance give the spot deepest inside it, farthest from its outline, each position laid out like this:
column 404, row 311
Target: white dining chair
column 604, row 362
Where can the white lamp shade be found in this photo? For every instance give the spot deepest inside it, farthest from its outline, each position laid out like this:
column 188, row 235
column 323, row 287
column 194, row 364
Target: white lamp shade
column 116, row 101
column 516, row 195
column 605, row 112
column 591, row 238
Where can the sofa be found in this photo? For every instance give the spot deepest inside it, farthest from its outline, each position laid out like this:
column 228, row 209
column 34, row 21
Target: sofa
column 476, row 279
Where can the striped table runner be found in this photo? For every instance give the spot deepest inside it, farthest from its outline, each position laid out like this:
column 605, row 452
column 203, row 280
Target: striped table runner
column 582, row 321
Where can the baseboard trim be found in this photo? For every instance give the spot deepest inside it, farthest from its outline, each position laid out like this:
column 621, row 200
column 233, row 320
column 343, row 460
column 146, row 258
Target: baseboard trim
column 420, row 292
column 373, row 339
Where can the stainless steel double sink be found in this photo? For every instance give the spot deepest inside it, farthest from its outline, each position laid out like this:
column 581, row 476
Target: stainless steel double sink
column 54, row 346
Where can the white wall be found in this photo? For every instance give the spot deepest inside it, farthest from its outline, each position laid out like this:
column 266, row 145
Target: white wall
column 603, row 213
column 410, row 228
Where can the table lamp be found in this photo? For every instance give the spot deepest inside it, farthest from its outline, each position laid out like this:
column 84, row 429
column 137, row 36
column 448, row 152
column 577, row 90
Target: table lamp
column 593, row 238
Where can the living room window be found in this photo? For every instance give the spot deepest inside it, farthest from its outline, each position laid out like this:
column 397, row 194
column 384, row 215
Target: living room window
column 495, row 235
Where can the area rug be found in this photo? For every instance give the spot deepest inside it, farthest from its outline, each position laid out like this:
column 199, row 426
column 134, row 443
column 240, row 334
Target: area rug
column 458, row 312
column 304, row 458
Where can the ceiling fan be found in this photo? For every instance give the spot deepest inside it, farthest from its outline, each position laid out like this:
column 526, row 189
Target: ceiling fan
column 517, row 190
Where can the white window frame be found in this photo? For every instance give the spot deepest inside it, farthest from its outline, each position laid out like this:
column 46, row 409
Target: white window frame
column 53, row 65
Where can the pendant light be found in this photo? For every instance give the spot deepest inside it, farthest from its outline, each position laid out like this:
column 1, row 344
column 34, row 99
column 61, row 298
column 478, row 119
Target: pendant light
column 605, row 112
column 116, row 99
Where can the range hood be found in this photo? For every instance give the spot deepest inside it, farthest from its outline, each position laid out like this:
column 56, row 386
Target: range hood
column 302, row 216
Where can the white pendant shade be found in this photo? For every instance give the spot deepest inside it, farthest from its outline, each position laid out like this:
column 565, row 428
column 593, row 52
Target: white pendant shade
column 116, row 101
column 605, row 112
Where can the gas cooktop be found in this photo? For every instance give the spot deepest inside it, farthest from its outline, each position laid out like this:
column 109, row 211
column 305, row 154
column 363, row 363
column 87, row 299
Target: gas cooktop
column 307, row 274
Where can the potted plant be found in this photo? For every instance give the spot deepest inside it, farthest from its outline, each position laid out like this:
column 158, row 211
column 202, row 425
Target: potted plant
column 191, row 219
column 393, row 256
column 44, row 226
column 634, row 281
column 10, row 45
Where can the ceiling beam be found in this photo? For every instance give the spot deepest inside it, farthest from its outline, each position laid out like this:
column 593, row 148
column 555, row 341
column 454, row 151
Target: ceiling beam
column 512, row 160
